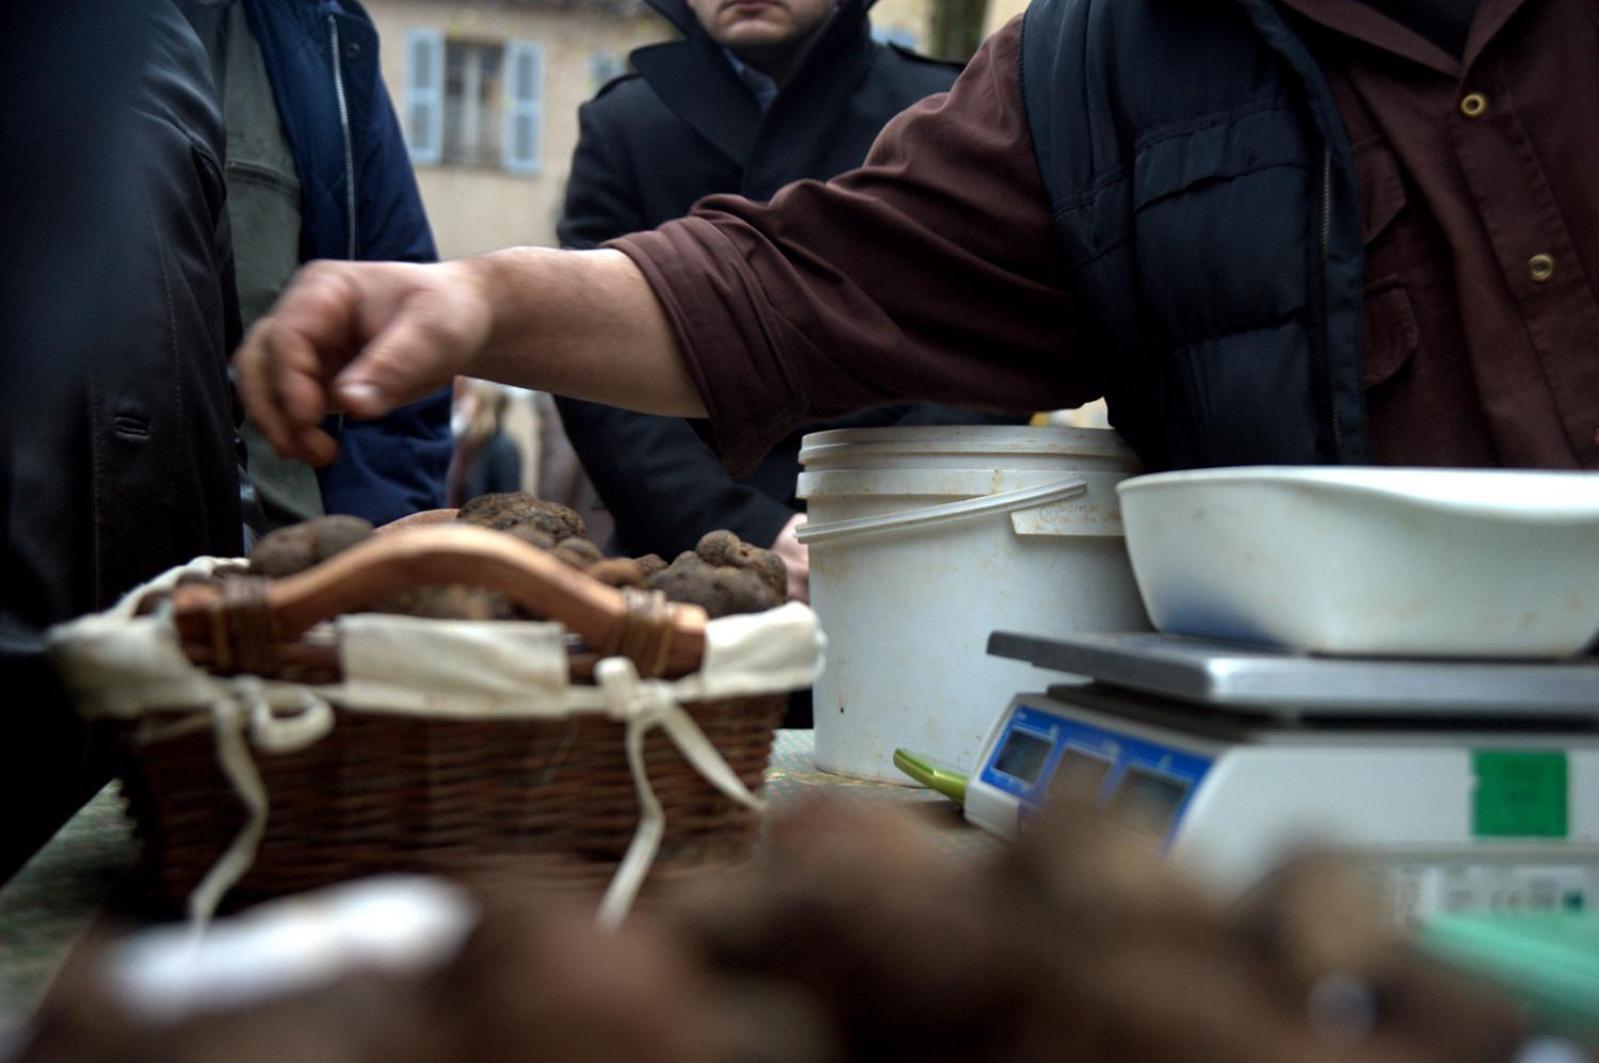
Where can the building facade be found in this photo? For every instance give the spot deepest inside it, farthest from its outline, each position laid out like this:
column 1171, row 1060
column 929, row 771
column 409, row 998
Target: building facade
column 488, row 94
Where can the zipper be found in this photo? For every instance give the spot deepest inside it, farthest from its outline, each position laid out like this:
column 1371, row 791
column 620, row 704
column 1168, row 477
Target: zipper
column 344, row 127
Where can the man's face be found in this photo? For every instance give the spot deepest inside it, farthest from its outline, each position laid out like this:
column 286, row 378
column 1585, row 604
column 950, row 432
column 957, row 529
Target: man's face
column 757, row 29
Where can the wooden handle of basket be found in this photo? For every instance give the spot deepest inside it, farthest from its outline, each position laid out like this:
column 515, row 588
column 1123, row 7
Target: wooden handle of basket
column 662, row 638
column 426, row 518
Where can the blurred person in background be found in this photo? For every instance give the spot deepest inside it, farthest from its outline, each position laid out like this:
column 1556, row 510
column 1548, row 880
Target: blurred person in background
column 118, row 452
column 317, row 168
column 559, row 474
column 486, row 460
column 757, row 93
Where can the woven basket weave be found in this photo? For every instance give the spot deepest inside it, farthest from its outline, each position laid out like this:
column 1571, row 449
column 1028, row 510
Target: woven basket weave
column 549, row 800
column 546, row 793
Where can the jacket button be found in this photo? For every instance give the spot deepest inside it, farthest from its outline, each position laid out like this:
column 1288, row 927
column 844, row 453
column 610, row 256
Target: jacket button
column 1473, row 104
column 352, row 52
column 1540, row 268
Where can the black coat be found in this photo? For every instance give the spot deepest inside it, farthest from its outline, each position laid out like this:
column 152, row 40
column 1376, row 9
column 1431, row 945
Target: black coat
column 652, row 144
column 117, row 451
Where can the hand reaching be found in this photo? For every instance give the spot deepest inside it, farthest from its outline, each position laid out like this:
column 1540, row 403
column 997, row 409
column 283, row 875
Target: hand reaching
column 797, row 557
column 357, row 337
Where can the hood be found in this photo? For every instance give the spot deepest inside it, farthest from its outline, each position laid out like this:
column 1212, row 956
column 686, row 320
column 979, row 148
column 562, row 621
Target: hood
column 678, row 14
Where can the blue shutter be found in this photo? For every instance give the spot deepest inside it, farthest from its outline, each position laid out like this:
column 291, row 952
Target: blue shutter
column 521, row 144
column 424, row 94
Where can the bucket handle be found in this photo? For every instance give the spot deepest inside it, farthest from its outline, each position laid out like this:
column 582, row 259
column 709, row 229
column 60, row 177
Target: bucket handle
column 1004, row 502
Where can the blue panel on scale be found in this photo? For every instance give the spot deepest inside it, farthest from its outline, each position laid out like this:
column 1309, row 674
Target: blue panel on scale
column 1133, row 775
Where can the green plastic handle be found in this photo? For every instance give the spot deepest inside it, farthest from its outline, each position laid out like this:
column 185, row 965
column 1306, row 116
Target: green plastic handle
column 938, row 777
column 1549, row 961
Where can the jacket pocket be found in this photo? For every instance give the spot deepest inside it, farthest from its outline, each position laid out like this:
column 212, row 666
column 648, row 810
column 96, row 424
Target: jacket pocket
column 1392, row 334
column 1382, row 188
column 264, row 211
column 1392, row 331
column 264, row 175
column 1218, row 227
column 1220, row 148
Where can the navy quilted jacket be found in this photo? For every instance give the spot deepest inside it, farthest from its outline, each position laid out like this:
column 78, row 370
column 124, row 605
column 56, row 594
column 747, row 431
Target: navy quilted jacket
column 359, row 201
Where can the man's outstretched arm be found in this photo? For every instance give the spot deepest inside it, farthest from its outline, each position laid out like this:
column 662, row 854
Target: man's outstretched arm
column 364, row 337
column 930, row 274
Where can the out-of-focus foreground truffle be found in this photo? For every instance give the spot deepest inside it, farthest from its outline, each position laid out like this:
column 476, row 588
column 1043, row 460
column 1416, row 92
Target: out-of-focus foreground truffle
column 855, row 938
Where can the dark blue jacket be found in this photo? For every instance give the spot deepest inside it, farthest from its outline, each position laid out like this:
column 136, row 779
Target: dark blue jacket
column 1204, row 197
column 359, row 200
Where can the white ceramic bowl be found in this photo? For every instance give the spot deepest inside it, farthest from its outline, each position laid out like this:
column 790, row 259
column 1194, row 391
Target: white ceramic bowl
column 1371, row 561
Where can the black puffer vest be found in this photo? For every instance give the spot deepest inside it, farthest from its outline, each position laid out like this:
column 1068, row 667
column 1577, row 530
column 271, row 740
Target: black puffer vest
column 1203, row 193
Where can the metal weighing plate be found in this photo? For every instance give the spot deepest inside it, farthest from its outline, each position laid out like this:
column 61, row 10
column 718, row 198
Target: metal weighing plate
column 1219, row 674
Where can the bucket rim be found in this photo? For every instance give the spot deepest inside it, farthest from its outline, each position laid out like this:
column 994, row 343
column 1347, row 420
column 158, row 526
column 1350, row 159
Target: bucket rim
column 958, row 440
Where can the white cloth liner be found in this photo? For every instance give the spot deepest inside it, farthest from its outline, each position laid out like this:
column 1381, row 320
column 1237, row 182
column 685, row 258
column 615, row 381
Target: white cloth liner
column 118, row 665
column 399, row 924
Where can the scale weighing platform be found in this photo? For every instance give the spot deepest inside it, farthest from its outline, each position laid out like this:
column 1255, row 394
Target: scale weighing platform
column 1460, row 785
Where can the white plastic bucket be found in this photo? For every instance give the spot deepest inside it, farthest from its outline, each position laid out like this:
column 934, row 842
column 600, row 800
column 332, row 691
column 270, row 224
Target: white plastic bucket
column 922, row 542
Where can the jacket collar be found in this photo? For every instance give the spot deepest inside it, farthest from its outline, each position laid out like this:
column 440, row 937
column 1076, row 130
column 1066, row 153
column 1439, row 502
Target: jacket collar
column 697, row 83
column 1267, row 16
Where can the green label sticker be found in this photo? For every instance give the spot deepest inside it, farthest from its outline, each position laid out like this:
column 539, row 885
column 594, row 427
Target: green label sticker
column 1519, row 795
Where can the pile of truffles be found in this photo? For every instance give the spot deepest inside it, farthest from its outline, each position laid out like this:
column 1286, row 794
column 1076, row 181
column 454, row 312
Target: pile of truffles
column 856, row 938
column 723, row 574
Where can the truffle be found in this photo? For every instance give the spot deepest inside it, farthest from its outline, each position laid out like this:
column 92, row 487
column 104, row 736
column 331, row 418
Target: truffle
column 721, row 591
column 726, row 550
column 856, row 937
column 298, row 547
column 579, row 553
column 449, row 601
column 531, row 535
column 617, row 572
column 506, row 510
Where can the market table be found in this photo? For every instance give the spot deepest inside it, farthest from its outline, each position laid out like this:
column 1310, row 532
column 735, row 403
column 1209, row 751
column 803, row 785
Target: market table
column 56, row 896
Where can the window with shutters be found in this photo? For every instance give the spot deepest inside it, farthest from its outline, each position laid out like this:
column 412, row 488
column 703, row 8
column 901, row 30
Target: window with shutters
column 474, row 103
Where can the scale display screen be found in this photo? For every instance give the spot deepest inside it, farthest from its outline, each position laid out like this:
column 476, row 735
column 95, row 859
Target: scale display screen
column 1079, row 773
column 1042, row 752
column 1147, row 801
column 1023, row 755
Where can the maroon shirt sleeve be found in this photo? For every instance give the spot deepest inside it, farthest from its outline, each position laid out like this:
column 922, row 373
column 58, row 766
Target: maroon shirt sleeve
column 930, row 273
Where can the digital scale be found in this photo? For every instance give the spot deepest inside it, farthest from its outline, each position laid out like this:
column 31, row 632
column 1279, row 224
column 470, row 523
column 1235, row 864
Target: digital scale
column 1461, row 785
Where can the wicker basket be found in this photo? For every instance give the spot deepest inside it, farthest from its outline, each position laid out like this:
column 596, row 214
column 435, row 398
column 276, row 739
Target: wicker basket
column 537, row 786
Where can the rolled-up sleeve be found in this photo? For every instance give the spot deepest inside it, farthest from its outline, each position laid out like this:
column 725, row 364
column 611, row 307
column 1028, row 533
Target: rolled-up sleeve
column 930, row 273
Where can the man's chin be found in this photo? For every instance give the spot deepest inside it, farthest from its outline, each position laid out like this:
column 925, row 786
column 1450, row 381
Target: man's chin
column 758, row 37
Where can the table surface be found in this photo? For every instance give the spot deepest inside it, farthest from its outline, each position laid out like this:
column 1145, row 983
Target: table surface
column 55, row 897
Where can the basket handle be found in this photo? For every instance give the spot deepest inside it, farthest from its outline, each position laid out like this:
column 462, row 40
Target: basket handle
column 425, row 518
column 240, row 626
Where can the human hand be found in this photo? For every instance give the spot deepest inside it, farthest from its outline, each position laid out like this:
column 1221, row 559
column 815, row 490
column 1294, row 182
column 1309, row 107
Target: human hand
column 357, row 337
column 797, row 557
